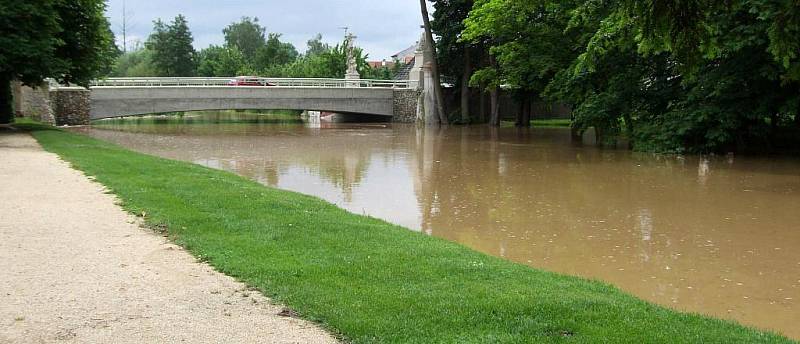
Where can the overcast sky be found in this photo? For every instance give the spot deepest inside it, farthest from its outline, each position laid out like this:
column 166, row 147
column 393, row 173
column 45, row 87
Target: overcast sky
column 383, row 27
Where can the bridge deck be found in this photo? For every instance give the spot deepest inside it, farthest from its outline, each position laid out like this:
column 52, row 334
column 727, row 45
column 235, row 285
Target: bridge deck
column 224, row 81
column 119, row 97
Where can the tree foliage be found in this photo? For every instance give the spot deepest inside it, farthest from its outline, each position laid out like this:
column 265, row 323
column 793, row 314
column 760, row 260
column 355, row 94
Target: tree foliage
column 457, row 58
column 135, row 63
column 275, row 53
column 216, row 61
column 87, row 48
column 69, row 40
column 330, row 63
column 248, row 50
column 678, row 76
column 316, row 46
column 247, row 36
column 171, row 47
column 448, row 23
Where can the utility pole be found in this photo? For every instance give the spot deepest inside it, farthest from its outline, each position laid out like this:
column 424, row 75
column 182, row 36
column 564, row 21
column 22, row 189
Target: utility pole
column 124, row 27
column 437, row 84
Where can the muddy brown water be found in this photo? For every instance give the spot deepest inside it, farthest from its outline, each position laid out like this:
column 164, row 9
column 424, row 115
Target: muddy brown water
column 715, row 235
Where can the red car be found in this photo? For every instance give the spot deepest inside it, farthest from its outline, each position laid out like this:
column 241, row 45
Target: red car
column 248, row 81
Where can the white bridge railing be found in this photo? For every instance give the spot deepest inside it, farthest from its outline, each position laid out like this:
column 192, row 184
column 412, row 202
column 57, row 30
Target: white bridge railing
column 253, row 82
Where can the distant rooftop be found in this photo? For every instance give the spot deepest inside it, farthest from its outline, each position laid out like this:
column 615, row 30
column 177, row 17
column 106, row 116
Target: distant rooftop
column 406, row 54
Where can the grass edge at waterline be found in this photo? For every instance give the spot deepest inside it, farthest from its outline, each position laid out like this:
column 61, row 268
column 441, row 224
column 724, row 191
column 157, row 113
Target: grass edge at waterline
column 365, row 279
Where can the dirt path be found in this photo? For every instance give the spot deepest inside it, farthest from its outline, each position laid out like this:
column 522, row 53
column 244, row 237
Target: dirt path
column 74, row 267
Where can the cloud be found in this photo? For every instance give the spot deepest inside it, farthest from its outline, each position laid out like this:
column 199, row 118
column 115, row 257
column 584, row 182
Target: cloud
column 383, row 27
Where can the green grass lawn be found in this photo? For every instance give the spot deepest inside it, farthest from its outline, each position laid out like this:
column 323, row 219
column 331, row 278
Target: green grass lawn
column 366, row 280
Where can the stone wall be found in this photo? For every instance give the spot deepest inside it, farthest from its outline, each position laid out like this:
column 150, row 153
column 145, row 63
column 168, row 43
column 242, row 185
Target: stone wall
column 71, row 105
column 32, row 102
column 405, row 105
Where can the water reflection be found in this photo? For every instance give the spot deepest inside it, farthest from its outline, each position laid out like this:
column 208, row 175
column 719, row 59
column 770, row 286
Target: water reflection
column 703, row 169
column 705, row 234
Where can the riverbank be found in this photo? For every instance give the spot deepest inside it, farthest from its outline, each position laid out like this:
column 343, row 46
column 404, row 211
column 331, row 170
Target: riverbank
column 367, row 279
column 75, row 267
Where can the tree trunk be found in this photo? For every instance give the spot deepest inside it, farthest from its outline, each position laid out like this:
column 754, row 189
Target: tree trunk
column 526, row 111
column 6, row 98
column 437, row 84
column 797, row 114
column 465, row 87
column 494, row 118
column 773, row 124
column 628, row 129
column 483, row 106
column 797, row 118
column 576, row 135
column 520, row 112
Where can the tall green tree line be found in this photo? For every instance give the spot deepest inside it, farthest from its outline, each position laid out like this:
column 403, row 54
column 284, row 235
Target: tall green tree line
column 248, row 50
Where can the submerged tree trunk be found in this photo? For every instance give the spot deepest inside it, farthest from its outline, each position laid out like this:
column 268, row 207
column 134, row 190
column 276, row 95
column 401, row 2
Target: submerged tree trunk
column 437, row 84
column 773, row 124
column 465, row 87
column 797, row 119
column 483, row 106
column 576, row 135
column 797, row 114
column 526, row 113
column 6, row 98
column 598, row 136
column 494, row 107
column 628, row 128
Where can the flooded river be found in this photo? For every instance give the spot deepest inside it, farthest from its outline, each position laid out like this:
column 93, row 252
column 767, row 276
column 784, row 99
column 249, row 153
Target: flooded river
column 717, row 235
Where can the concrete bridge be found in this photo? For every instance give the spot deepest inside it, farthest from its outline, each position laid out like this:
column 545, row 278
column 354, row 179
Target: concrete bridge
column 398, row 100
column 119, row 97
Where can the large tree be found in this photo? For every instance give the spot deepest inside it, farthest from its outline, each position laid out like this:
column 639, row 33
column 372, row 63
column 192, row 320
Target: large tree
column 260, row 52
column 530, row 43
column 137, row 62
column 247, row 35
column 67, row 40
column 216, row 61
column 457, row 58
column 171, row 46
column 274, row 53
column 315, row 46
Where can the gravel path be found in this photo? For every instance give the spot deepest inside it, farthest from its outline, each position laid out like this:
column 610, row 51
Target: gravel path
column 74, row 267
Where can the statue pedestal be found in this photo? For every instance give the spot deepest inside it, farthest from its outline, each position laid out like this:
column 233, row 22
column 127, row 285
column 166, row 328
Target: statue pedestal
column 354, row 77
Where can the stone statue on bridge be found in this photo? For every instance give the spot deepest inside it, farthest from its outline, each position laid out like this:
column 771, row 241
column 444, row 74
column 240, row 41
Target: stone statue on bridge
column 352, row 64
